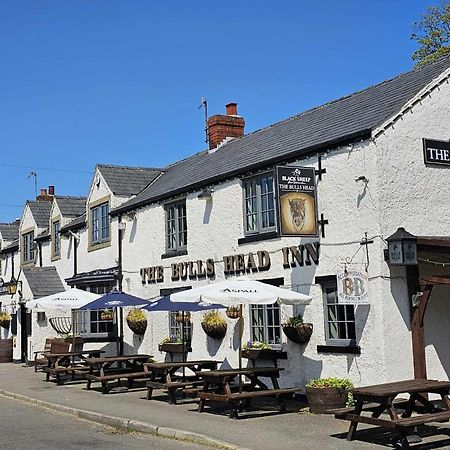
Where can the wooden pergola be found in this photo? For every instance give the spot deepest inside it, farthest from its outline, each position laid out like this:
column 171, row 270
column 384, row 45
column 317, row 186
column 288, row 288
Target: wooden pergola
column 417, row 323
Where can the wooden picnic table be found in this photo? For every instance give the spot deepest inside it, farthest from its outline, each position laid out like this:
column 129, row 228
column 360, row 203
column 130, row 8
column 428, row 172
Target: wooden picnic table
column 217, row 386
column 163, row 376
column 383, row 397
column 109, row 368
column 64, row 362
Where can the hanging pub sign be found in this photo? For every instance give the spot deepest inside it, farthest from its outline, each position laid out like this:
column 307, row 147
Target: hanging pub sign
column 436, row 152
column 353, row 287
column 297, row 203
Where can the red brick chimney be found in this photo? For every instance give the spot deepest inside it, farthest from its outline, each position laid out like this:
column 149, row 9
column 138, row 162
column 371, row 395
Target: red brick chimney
column 46, row 197
column 221, row 126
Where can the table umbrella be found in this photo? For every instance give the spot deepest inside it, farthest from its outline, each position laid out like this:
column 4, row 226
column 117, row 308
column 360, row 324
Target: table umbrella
column 116, row 299
column 165, row 304
column 242, row 291
column 71, row 299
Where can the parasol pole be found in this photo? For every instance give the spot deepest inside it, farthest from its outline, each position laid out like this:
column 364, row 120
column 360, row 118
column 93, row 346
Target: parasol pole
column 183, row 358
column 74, row 324
column 241, row 332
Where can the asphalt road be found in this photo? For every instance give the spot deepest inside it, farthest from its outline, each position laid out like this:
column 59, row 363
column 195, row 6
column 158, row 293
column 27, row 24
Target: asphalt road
column 26, row 426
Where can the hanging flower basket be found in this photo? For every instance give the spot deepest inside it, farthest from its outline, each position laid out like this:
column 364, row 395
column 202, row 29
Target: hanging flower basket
column 215, row 331
column 233, row 312
column 299, row 333
column 5, row 321
column 137, row 321
column 106, row 314
column 180, row 317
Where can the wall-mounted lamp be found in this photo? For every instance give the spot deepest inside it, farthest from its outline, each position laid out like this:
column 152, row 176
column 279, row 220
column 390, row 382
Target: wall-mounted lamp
column 122, row 226
column 402, row 248
column 206, row 194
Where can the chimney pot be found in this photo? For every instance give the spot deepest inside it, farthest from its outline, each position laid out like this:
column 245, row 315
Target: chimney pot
column 51, row 190
column 231, row 109
column 43, row 191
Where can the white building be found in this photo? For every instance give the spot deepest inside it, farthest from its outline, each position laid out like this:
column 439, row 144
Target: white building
column 216, row 214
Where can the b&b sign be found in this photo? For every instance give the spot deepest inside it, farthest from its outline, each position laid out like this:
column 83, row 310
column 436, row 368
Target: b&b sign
column 436, row 152
column 353, row 288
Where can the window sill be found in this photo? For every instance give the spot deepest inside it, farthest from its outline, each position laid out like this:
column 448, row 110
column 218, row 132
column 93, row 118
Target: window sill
column 344, row 349
column 97, row 246
column 173, row 254
column 92, row 338
column 258, row 237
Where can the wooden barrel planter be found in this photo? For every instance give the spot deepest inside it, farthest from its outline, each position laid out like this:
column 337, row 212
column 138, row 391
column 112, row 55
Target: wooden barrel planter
column 298, row 334
column 6, row 350
column 137, row 326
column 217, row 331
column 322, row 400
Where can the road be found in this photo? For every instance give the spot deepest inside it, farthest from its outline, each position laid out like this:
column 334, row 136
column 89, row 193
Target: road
column 25, row 426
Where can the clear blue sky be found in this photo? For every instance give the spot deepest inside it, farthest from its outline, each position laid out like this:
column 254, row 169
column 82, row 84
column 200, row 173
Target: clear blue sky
column 119, row 82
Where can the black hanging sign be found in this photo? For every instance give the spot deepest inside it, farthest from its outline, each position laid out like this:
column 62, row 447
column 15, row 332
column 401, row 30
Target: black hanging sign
column 436, row 152
column 297, row 202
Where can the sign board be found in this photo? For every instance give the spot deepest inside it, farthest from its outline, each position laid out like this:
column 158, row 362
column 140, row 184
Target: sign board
column 353, row 288
column 297, row 203
column 436, row 152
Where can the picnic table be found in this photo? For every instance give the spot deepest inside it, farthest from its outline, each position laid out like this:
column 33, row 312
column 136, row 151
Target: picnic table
column 163, row 376
column 109, row 368
column 383, row 397
column 62, row 363
column 217, row 386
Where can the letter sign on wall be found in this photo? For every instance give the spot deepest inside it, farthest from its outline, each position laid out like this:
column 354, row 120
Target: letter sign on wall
column 353, row 288
column 436, row 152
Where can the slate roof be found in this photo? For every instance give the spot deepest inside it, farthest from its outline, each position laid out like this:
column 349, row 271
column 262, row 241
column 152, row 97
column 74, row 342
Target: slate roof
column 76, row 224
column 41, row 212
column 11, row 247
column 127, row 181
column 338, row 122
column 43, row 281
column 71, row 206
column 9, row 231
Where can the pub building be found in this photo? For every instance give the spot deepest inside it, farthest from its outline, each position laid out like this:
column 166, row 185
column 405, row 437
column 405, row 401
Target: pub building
column 347, row 202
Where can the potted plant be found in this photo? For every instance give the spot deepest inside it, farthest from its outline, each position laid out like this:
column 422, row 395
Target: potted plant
column 296, row 330
column 137, row 321
column 174, row 344
column 5, row 320
column 326, row 394
column 181, row 317
column 214, row 325
column 261, row 350
column 233, row 312
column 107, row 314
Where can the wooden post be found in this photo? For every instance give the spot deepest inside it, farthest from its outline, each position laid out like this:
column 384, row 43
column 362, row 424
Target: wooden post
column 418, row 335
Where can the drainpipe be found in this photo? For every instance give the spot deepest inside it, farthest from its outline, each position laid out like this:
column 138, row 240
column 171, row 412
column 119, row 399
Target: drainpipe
column 120, row 233
column 75, row 255
column 12, row 265
column 40, row 253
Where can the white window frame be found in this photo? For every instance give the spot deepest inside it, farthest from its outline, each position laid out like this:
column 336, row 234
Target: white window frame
column 28, row 252
column 56, row 244
column 331, row 288
column 176, row 226
column 256, row 197
column 175, row 328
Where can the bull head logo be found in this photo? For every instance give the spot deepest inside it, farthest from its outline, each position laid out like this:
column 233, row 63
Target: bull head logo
column 297, row 206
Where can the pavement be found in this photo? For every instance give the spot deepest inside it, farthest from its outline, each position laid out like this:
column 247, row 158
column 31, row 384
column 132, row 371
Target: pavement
column 263, row 428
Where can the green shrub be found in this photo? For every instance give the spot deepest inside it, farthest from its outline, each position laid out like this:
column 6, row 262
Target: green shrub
column 294, row 321
column 256, row 345
column 213, row 318
column 5, row 316
column 339, row 383
column 136, row 315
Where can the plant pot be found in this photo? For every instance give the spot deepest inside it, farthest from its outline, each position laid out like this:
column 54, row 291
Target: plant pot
column 174, row 347
column 232, row 313
column 217, row 331
column 266, row 353
column 137, row 326
column 298, row 334
column 323, row 400
column 106, row 316
column 4, row 323
column 180, row 318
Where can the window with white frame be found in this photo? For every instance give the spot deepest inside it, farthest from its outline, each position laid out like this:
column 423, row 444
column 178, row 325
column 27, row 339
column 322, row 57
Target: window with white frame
column 176, row 227
column 28, row 247
column 259, row 204
column 176, row 326
column 339, row 319
column 90, row 322
column 56, row 238
column 265, row 323
column 100, row 223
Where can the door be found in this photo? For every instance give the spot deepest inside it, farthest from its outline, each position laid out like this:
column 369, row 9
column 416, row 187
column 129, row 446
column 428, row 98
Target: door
column 25, row 331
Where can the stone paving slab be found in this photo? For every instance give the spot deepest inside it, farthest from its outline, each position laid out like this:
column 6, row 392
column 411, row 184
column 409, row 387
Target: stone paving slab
column 270, row 430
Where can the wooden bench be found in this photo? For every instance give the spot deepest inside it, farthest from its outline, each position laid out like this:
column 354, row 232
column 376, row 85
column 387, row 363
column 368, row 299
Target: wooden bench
column 411, row 422
column 187, row 387
column 103, row 379
column 52, row 345
column 234, row 399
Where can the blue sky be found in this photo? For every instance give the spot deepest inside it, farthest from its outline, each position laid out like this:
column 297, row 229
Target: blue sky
column 119, row 82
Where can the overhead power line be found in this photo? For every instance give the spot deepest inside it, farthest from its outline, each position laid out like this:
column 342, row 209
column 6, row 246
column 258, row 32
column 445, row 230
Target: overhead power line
column 15, row 166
